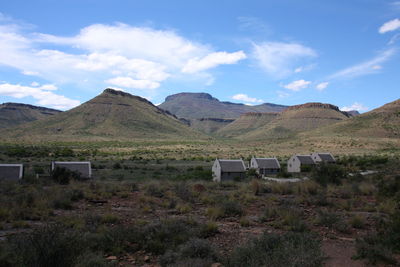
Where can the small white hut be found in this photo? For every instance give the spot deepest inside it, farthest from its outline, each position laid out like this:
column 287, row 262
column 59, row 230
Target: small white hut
column 228, row 170
column 297, row 162
column 265, row 165
column 319, row 157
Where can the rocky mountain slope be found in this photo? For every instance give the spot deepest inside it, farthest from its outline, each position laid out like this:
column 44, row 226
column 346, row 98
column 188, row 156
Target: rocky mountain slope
column 112, row 115
column 13, row 114
column 202, row 105
column 381, row 122
column 293, row 120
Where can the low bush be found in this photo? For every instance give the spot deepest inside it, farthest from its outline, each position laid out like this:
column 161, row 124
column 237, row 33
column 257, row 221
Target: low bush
column 332, row 220
column 51, row 245
column 289, row 249
column 357, row 222
column 154, row 190
column 231, row 208
column 325, row 174
column 64, row 176
column 374, row 250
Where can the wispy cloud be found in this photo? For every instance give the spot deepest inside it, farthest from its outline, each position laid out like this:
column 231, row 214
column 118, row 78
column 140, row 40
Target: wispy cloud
column 253, row 24
column 43, row 94
column 389, row 26
column 322, row 86
column 297, row 85
column 212, row 60
column 279, row 59
column 368, row 67
column 355, row 106
column 246, row 98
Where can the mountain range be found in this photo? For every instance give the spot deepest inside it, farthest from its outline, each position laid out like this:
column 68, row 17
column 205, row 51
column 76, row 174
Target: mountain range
column 116, row 115
column 112, row 115
column 202, row 105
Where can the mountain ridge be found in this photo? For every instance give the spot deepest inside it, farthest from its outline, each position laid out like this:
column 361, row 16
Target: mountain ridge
column 112, row 114
column 203, row 105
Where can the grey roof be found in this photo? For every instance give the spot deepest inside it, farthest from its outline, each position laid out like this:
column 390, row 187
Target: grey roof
column 305, row 159
column 326, row 157
column 268, row 163
column 232, row 165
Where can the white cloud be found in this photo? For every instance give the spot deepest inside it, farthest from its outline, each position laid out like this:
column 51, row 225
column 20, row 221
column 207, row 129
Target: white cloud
column 246, row 98
column 355, row 106
column 278, row 59
column 128, row 82
column 367, row 67
column 297, row 85
column 212, row 60
column 322, row 86
column 50, row 87
column 298, row 70
column 389, row 26
column 108, row 52
column 282, row 94
column 42, row 95
column 253, row 24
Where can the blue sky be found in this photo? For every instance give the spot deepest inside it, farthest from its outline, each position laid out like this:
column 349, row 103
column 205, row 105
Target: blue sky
column 62, row 53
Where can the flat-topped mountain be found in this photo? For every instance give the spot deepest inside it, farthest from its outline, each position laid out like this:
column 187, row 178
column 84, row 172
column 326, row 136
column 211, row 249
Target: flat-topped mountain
column 293, row 120
column 13, row 114
column 203, row 105
column 112, row 115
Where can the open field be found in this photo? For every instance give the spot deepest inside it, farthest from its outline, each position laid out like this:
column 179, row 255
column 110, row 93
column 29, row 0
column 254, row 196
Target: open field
column 154, row 204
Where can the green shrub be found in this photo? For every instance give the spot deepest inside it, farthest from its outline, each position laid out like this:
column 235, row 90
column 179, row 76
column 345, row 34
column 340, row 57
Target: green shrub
column 63, row 175
column 62, row 201
column 269, row 213
column 325, row 174
column 154, row 190
column 357, row 221
column 195, row 251
column 109, row 219
column 159, row 236
column 117, row 166
column 92, row 260
column 183, row 191
column 51, row 245
column 289, row 249
column 374, row 250
column 231, row 208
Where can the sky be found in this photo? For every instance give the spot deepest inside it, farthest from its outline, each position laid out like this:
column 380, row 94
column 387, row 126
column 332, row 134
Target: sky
column 62, row 53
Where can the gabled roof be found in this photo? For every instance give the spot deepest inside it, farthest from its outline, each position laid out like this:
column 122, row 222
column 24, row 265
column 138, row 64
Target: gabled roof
column 268, row 163
column 232, row 165
column 326, row 157
column 305, row 159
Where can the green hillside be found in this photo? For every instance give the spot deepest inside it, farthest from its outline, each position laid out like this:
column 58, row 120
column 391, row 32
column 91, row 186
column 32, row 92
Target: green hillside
column 209, row 125
column 383, row 122
column 113, row 115
column 294, row 120
column 246, row 123
column 13, row 114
